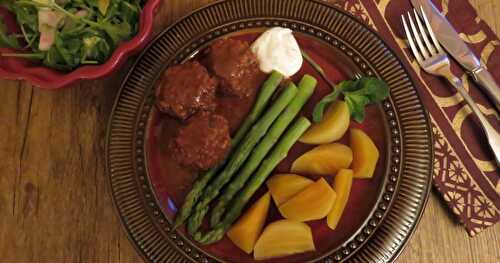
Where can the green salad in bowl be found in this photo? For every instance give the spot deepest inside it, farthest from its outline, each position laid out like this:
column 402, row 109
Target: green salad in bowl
column 64, row 34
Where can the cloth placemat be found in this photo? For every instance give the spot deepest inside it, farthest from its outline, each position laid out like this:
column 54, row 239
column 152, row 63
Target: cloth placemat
column 465, row 174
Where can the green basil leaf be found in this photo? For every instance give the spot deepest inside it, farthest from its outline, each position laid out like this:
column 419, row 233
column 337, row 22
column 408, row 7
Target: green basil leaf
column 367, row 91
column 356, row 105
column 357, row 94
column 320, row 107
column 379, row 89
column 374, row 89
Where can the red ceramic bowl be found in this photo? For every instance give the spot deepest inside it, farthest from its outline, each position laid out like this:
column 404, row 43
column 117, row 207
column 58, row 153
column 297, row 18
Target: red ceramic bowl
column 47, row 78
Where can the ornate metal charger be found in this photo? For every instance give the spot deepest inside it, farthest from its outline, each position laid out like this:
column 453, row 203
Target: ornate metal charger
column 409, row 153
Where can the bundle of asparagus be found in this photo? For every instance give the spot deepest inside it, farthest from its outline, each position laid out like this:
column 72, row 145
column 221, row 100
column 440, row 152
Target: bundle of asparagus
column 250, row 146
column 238, row 157
column 259, row 152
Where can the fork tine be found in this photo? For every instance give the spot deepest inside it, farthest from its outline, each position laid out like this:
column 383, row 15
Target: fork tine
column 423, row 50
column 423, row 33
column 413, row 47
column 431, row 32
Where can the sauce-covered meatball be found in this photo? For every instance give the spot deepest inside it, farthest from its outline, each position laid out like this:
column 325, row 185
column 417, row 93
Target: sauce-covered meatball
column 203, row 142
column 236, row 66
column 186, row 89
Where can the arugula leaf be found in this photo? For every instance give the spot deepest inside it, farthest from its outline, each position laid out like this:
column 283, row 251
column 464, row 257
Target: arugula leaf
column 91, row 3
column 357, row 95
column 26, row 16
column 6, row 39
column 27, row 19
column 95, row 48
column 129, row 12
column 67, row 49
column 54, row 59
column 6, row 4
column 117, row 32
column 73, row 29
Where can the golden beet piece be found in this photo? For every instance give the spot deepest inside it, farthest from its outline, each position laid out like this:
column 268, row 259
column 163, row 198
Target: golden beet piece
column 365, row 154
column 342, row 187
column 247, row 229
column 284, row 238
column 312, row 203
column 284, row 186
column 333, row 126
column 325, row 159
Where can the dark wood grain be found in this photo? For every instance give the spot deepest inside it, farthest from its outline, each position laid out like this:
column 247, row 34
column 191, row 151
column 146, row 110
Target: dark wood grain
column 54, row 199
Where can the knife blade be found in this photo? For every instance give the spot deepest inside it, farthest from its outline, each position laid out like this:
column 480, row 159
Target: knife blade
column 456, row 47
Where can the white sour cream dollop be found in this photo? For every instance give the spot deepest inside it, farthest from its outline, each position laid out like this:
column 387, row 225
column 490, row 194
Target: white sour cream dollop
column 277, row 49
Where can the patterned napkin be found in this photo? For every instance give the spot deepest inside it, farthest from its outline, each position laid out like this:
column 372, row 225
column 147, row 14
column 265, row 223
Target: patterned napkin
column 464, row 172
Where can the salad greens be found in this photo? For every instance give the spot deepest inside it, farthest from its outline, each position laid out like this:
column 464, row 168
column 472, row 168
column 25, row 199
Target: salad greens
column 357, row 94
column 64, row 34
column 7, row 40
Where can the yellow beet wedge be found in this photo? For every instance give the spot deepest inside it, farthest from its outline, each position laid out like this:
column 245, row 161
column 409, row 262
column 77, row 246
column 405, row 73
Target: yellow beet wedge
column 284, row 186
column 312, row 203
column 332, row 127
column 246, row 231
column 325, row 159
column 284, row 238
column 365, row 154
column 342, row 187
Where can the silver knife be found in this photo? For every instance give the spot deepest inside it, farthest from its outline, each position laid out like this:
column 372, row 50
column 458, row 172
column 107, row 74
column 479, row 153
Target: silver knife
column 449, row 38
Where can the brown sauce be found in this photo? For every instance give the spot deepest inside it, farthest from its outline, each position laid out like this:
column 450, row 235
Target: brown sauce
column 235, row 109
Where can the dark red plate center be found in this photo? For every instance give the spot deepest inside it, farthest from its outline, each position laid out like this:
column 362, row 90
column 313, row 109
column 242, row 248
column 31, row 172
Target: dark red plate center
column 171, row 183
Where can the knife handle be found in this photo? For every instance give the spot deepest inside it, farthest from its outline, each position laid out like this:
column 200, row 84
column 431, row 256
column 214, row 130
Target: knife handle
column 485, row 80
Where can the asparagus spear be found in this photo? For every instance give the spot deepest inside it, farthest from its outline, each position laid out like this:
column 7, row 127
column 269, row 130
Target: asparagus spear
column 306, row 89
column 272, row 160
column 238, row 157
column 265, row 94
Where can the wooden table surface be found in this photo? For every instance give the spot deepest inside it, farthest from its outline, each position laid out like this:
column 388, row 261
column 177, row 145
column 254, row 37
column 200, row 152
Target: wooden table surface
column 55, row 204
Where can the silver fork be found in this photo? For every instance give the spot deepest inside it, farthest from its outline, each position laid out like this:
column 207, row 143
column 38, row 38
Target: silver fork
column 432, row 58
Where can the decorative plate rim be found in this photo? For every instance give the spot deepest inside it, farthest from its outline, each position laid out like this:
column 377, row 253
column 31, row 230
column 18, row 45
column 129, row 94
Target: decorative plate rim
column 388, row 194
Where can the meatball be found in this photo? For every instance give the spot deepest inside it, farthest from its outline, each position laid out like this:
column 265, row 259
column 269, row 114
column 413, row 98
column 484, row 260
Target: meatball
column 185, row 89
column 203, row 142
column 236, row 66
